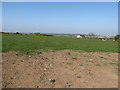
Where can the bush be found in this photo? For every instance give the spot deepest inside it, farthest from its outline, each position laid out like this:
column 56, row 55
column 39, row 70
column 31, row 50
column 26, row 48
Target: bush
column 117, row 37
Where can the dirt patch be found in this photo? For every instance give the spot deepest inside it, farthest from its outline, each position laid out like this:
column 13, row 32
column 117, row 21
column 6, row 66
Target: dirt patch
column 60, row 69
column 0, row 70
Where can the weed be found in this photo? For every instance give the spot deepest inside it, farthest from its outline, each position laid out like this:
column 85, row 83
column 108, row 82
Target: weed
column 69, row 63
column 69, row 53
column 98, row 64
column 74, row 58
column 39, row 52
column 103, row 57
column 112, row 63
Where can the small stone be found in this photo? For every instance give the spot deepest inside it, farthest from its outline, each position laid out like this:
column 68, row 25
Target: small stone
column 28, row 74
column 45, row 69
column 50, row 65
column 78, row 76
column 90, row 59
column 30, row 56
column 37, row 60
column 86, row 81
column 19, row 86
column 22, row 60
column 52, row 80
column 69, row 85
column 81, row 65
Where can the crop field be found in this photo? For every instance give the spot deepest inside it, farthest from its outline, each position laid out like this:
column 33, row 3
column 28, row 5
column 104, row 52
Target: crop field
column 30, row 43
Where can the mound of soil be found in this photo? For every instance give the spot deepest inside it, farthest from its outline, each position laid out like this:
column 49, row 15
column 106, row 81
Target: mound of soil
column 60, row 69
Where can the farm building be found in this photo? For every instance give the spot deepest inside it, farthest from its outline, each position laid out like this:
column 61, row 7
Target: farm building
column 79, row 36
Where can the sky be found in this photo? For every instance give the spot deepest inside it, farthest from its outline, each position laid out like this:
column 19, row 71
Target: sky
column 60, row 17
column 60, row 0
column 0, row 16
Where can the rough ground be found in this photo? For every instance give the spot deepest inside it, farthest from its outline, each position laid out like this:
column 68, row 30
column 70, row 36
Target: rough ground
column 60, row 69
column 0, row 70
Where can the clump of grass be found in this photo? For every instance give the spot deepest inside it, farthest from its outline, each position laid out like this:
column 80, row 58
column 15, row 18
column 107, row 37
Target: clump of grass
column 16, row 54
column 119, row 69
column 103, row 57
column 98, row 64
column 74, row 58
column 113, row 63
column 69, row 53
column 39, row 52
column 13, row 63
column 27, row 52
column 69, row 63
column 87, row 56
column 91, row 61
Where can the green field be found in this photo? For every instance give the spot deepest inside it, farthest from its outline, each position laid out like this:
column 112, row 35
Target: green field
column 30, row 43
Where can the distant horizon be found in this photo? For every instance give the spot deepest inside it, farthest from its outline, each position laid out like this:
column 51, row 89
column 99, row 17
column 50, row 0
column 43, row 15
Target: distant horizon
column 63, row 33
column 100, row 18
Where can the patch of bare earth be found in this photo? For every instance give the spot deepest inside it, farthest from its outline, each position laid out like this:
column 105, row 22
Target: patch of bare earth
column 60, row 69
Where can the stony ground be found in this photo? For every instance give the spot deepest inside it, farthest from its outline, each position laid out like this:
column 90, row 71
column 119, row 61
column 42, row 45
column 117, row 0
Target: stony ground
column 60, row 69
column 0, row 70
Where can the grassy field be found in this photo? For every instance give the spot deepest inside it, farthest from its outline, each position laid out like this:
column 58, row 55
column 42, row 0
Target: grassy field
column 30, row 43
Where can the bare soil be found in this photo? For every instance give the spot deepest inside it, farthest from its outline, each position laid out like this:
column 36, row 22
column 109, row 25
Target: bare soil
column 60, row 69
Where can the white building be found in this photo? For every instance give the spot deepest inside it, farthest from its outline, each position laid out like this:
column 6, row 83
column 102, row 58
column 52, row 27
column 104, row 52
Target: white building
column 78, row 36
